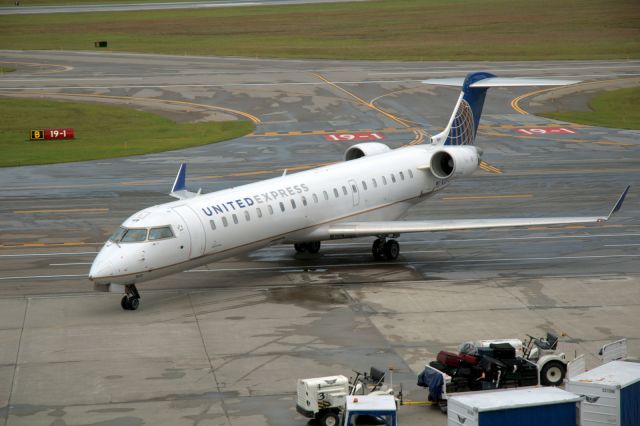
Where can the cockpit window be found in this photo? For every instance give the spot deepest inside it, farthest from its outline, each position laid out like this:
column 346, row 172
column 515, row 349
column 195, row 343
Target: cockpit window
column 117, row 236
column 160, row 233
column 134, row 235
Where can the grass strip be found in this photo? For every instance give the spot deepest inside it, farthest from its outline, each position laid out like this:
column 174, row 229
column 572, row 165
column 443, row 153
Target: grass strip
column 6, row 69
column 616, row 108
column 386, row 29
column 101, row 132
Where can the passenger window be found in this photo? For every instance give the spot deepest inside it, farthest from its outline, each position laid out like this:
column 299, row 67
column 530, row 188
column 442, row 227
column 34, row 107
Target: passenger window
column 281, row 206
column 393, row 178
column 259, row 212
column 384, row 180
column 213, row 224
column 326, row 196
column 304, row 200
column 401, row 176
column 344, row 190
column 235, row 218
column 293, row 204
column 410, row 173
column 164, row 232
column 270, row 209
column 225, row 222
column 134, row 236
column 364, row 185
column 246, row 216
column 335, row 192
column 315, row 198
column 375, row 182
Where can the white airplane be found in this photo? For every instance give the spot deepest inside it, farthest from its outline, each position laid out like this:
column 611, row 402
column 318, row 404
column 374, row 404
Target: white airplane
column 362, row 196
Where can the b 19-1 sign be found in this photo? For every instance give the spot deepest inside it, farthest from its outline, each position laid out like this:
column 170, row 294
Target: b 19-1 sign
column 50, row 134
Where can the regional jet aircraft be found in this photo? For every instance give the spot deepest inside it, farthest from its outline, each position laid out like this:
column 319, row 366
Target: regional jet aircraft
column 362, row 196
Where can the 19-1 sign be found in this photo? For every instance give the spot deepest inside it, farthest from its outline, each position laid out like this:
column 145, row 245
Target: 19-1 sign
column 49, row 134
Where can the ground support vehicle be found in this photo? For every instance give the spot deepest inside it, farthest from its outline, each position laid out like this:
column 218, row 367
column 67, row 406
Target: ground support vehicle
column 370, row 410
column 324, row 398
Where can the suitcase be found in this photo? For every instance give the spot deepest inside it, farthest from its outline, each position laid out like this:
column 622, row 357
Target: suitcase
column 469, row 359
column 503, row 351
column 449, row 358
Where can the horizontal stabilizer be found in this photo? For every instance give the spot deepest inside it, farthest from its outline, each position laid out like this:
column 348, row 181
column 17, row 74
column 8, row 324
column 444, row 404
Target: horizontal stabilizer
column 500, row 82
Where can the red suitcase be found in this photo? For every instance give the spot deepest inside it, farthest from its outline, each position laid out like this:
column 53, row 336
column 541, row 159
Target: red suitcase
column 469, row 359
column 449, row 359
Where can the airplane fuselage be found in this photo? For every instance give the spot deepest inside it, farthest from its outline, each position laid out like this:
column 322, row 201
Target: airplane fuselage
column 293, row 208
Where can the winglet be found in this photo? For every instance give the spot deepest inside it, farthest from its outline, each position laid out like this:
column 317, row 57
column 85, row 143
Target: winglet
column 179, row 189
column 180, row 183
column 619, row 202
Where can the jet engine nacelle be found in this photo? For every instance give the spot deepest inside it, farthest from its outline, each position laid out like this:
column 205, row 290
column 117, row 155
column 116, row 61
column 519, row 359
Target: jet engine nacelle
column 365, row 150
column 454, row 161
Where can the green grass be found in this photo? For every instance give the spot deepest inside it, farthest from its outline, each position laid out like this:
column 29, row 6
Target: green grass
column 101, row 132
column 6, row 69
column 386, row 29
column 617, row 108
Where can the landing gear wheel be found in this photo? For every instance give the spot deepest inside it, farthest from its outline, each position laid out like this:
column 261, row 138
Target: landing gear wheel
column 391, row 249
column 313, row 247
column 552, row 373
column 329, row 419
column 124, row 302
column 377, row 249
column 300, row 247
column 131, row 299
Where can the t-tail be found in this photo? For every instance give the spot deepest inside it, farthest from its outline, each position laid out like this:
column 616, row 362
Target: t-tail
column 463, row 124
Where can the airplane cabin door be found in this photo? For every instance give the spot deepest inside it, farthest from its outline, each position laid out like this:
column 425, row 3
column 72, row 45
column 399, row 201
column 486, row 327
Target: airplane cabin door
column 195, row 230
column 355, row 192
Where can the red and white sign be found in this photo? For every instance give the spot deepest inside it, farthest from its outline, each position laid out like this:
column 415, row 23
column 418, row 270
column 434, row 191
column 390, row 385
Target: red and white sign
column 340, row 137
column 58, row 133
column 546, row 131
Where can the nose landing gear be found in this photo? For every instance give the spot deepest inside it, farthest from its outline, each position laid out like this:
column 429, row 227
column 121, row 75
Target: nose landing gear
column 131, row 300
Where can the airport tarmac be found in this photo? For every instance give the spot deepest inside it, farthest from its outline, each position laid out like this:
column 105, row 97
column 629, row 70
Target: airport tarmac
column 224, row 344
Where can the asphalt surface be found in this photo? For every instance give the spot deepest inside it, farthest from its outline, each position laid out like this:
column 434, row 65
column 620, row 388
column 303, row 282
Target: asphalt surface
column 120, row 7
column 224, row 344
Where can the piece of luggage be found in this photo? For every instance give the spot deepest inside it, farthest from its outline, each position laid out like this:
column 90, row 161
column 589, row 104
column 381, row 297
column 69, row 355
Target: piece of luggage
column 449, row 358
column 469, row 359
column 503, row 351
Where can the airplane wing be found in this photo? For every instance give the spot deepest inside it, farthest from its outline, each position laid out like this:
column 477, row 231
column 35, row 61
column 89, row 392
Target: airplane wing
column 361, row 229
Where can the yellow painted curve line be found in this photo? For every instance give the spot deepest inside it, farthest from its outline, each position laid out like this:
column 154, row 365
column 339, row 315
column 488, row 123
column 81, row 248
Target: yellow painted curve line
column 515, row 102
column 63, row 68
column 251, row 117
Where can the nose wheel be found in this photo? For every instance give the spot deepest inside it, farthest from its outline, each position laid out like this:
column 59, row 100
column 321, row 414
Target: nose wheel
column 131, row 300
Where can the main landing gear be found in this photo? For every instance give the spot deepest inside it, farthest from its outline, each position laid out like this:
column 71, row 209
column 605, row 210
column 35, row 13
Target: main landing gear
column 384, row 249
column 311, row 247
column 131, row 300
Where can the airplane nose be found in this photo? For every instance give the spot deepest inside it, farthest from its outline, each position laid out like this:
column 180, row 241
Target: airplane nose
column 101, row 270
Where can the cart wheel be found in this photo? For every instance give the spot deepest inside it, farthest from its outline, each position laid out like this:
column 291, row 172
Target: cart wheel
column 329, row 419
column 442, row 405
column 552, row 373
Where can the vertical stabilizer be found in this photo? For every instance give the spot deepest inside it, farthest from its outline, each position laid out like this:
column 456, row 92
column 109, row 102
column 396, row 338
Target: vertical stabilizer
column 463, row 124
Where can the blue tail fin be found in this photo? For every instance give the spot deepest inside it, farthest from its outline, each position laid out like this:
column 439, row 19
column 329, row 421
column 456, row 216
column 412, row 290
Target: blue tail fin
column 463, row 125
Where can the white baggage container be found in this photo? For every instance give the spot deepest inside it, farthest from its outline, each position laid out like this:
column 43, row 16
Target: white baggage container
column 611, row 394
column 521, row 407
